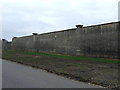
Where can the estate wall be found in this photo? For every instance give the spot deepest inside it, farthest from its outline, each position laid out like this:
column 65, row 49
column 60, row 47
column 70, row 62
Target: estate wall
column 94, row 41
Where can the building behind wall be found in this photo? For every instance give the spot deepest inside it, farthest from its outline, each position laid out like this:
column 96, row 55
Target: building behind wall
column 94, row 41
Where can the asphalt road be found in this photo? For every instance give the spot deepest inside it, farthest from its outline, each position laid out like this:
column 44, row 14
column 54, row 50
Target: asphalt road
column 0, row 74
column 20, row 76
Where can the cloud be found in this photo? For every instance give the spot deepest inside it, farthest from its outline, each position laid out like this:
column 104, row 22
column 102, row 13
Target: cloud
column 23, row 17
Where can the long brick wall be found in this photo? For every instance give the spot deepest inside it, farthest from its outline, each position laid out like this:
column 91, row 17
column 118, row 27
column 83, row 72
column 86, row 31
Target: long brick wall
column 94, row 41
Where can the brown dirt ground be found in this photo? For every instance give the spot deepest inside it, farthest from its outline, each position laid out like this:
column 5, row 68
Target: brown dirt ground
column 104, row 74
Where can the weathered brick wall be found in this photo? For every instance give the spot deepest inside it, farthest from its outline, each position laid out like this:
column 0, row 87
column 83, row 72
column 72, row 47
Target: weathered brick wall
column 95, row 41
column 102, row 40
column 5, row 44
column 0, row 48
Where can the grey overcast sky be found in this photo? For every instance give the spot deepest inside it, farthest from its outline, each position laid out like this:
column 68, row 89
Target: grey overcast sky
column 23, row 17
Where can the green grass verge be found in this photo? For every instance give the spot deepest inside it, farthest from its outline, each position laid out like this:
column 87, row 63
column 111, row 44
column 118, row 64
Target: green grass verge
column 70, row 57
